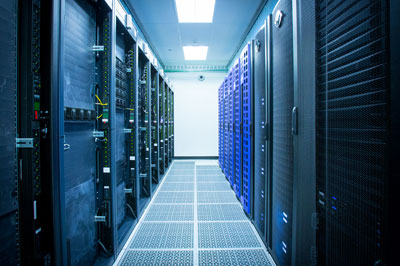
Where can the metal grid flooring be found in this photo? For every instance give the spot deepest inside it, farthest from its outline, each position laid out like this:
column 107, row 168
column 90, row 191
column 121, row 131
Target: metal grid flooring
column 194, row 218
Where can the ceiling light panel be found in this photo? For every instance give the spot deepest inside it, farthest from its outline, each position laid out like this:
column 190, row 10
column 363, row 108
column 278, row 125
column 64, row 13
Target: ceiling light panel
column 195, row 52
column 195, row 11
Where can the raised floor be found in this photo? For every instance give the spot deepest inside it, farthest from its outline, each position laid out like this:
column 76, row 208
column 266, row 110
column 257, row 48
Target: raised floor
column 194, row 218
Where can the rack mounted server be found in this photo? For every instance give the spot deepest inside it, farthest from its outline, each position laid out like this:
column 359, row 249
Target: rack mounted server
column 83, row 105
column 313, row 121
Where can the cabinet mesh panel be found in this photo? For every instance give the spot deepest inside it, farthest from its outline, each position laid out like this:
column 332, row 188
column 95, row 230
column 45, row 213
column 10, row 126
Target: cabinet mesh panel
column 352, row 112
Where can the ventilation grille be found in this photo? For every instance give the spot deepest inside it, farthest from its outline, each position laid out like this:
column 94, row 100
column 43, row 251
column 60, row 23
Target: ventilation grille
column 352, row 98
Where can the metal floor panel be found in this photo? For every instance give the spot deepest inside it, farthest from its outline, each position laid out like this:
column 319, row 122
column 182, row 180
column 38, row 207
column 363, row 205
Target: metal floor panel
column 177, row 187
column 155, row 258
column 194, row 227
column 170, row 213
column 174, row 197
column 180, row 178
column 233, row 257
column 216, row 197
column 220, row 212
column 221, row 186
column 153, row 235
column 210, row 178
column 227, row 235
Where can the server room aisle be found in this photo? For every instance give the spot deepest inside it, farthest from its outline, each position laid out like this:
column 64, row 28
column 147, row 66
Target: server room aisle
column 194, row 219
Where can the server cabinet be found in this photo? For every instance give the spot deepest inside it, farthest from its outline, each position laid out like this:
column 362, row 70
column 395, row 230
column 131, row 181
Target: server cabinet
column 9, row 208
column 353, row 123
column 237, row 127
column 230, row 115
column 144, row 132
column 89, row 106
column 282, row 139
column 161, row 125
column 220, row 127
column 173, row 125
column 166, row 124
column 226, row 127
column 247, row 128
column 126, row 132
column 155, row 162
column 35, row 220
column 262, row 126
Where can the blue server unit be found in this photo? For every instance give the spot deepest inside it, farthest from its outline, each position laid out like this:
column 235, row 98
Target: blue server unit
column 226, row 143
column 231, row 158
column 246, row 84
column 220, row 126
column 237, row 108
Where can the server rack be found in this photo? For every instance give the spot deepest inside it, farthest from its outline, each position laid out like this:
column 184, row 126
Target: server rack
column 161, row 125
column 220, row 127
column 155, row 162
column 167, row 125
column 172, row 125
column 231, row 150
column 238, row 134
column 353, row 130
column 144, row 132
column 262, row 134
column 226, row 132
column 247, row 128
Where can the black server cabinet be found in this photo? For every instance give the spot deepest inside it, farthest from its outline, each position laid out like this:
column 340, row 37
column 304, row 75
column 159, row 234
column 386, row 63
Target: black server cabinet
column 8, row 169
column 161, row 125
column 282, row 139
column 262, row 126
column 353, row 130
column 144, row 154
column 155, row 162
column 125, row 95
column 166, row 124
column 172, row 125
column 89, row 100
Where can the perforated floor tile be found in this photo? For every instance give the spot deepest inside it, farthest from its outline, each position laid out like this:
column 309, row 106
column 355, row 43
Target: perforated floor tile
column 227, row 235
column 174, row 197
column 181, row 172
column 210, row 178
column 163, row 235
column 221, row 186
column 170, row 213
column 208, row 167
column 220, row 212
column 208, row 172
column 157, row 258
column 180, row 178
column 177, row 187
column 180, row 164
column 216, row 197
column 233, row 257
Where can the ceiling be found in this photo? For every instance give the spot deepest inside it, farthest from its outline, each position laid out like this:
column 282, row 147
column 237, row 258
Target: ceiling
column 159, row 22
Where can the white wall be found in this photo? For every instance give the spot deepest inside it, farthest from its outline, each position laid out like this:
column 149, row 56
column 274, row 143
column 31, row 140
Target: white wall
column 196, row 112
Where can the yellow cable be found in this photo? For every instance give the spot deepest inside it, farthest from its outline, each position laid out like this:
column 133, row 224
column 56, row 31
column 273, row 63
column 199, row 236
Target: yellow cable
column 99, row 116
column 100, row 102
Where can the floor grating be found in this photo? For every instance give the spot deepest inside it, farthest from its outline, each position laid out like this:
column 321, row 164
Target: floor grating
column 157, row 258
column 194, row 219
column 174, row 197
column 152, row 235
column 216, row 197
column 233, row 257
column 170, row 213
column 220, row 212
column 221, row 186
column 177, row 187
column 227, row 235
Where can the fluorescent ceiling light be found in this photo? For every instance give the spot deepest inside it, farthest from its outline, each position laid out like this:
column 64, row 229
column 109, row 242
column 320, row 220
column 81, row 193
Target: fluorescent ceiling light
column 195, row 11
column 195, row 52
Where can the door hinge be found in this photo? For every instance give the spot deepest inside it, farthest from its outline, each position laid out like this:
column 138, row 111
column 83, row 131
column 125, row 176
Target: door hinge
column 24, row 142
